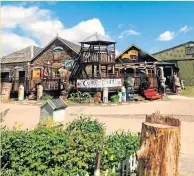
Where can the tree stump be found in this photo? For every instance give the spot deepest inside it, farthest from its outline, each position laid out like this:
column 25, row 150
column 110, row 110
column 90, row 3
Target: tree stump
column 160, row 146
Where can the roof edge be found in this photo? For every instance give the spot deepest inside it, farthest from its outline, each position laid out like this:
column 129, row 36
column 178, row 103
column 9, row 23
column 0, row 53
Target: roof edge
column 192, row 41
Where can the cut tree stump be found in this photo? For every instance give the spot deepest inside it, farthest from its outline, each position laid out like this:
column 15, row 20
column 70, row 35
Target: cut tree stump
column 160, row 146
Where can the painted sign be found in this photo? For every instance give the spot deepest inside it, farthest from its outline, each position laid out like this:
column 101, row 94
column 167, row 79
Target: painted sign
column 133, row 52
column 98, row 83
column 189, row 50
column 130, row 53
column 5, row 91
column 36, row 74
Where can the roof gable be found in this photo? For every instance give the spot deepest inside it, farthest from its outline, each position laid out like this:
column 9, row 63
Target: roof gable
column 97, row 38
column 141, row 53
column 56, row 104
column 76, row 48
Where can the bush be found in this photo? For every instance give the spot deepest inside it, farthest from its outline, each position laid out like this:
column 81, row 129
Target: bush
column 86, row 138
column 51, row 150
column 33, row 152
column 118, row 147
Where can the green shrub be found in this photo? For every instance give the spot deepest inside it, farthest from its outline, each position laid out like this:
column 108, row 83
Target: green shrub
column 86, row 138
column 115, row 98
column 118, row 147
column 51, row 150
column 33, row 152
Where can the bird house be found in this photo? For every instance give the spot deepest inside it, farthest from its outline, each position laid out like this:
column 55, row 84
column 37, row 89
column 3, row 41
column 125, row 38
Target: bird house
column 55, row 109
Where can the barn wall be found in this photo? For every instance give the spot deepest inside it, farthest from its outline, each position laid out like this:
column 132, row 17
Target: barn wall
column 186, row 71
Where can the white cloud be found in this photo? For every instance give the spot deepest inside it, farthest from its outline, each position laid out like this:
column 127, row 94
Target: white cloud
column 117, row 52
column 40, row 25
column 11, row 42
column 120, row 25
column 166, row 36
column 13, row 16
column 185, row 29
column 127, row 33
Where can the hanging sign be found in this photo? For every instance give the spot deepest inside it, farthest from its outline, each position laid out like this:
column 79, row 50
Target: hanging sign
column 98, row 83
column 57, row 55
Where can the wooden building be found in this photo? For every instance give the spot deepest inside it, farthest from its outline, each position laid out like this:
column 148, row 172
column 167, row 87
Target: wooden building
column 134, row 62
column 183, row 56
column 34, row 65
column 95, row 67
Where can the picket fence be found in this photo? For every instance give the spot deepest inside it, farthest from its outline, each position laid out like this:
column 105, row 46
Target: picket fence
column 128, row 166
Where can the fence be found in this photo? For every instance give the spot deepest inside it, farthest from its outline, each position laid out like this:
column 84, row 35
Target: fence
column 128, row 166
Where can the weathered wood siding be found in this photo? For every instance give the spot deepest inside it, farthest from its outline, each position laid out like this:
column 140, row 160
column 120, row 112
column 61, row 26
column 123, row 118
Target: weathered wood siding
column 47, row 55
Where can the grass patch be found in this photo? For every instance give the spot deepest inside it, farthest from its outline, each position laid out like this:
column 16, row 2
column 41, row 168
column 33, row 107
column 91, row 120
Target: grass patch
column 189, row 91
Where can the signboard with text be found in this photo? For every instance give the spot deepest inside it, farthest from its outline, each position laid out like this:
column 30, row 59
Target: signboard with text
column 98, row 83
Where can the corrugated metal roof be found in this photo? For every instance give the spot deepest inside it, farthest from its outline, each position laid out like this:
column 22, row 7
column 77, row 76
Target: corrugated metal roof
column 97, row 38
column 24, row 55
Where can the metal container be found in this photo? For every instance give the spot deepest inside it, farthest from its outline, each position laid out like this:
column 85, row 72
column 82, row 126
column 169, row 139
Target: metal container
column 123, row 92
column 39, row 92
column 21, row 93
column 120, row 97
column 105, row 95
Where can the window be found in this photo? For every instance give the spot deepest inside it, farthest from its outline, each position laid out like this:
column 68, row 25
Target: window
column 133, row 57
column 4, row 75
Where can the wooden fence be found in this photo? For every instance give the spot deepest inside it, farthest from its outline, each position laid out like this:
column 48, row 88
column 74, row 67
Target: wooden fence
column 127, row 167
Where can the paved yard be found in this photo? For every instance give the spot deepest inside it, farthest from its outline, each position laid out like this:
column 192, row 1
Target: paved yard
column 127, row 117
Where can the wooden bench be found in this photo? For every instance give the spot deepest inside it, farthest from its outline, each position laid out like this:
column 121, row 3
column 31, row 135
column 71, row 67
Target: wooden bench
column 151, row 94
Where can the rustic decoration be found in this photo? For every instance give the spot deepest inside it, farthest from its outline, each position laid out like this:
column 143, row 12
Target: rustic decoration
column 160, row 146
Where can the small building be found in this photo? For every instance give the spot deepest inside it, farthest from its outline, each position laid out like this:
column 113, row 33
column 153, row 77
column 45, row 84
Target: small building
column 183, row 56
column 55, row 109
column 33, row 65
column 134, row 63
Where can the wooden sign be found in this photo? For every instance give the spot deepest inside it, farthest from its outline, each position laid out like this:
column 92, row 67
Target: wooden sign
column 36, row 73
column 5, row 91
column 130, row 53
column 98, row 83
column 133, row 52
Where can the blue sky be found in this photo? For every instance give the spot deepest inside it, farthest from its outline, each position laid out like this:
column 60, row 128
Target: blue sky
column 152, row 26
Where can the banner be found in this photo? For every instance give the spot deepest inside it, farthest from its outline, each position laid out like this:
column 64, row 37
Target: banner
column 98, row 83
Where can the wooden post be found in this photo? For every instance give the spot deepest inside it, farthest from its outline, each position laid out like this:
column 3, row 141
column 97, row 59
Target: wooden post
column 160, row 146
column 98, row 158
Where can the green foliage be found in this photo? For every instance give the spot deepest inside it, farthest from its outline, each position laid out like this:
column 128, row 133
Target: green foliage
column 34, row 152
column 118, row 146
column 80, row 97
column 86, row 138
column 46, row 97
column 53, row 150
column 115, row 98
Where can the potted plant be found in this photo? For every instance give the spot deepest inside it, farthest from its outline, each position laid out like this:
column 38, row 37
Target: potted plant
column 115, row 98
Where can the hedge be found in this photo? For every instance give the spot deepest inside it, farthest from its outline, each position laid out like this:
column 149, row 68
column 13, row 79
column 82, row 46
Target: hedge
column 53, row 150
